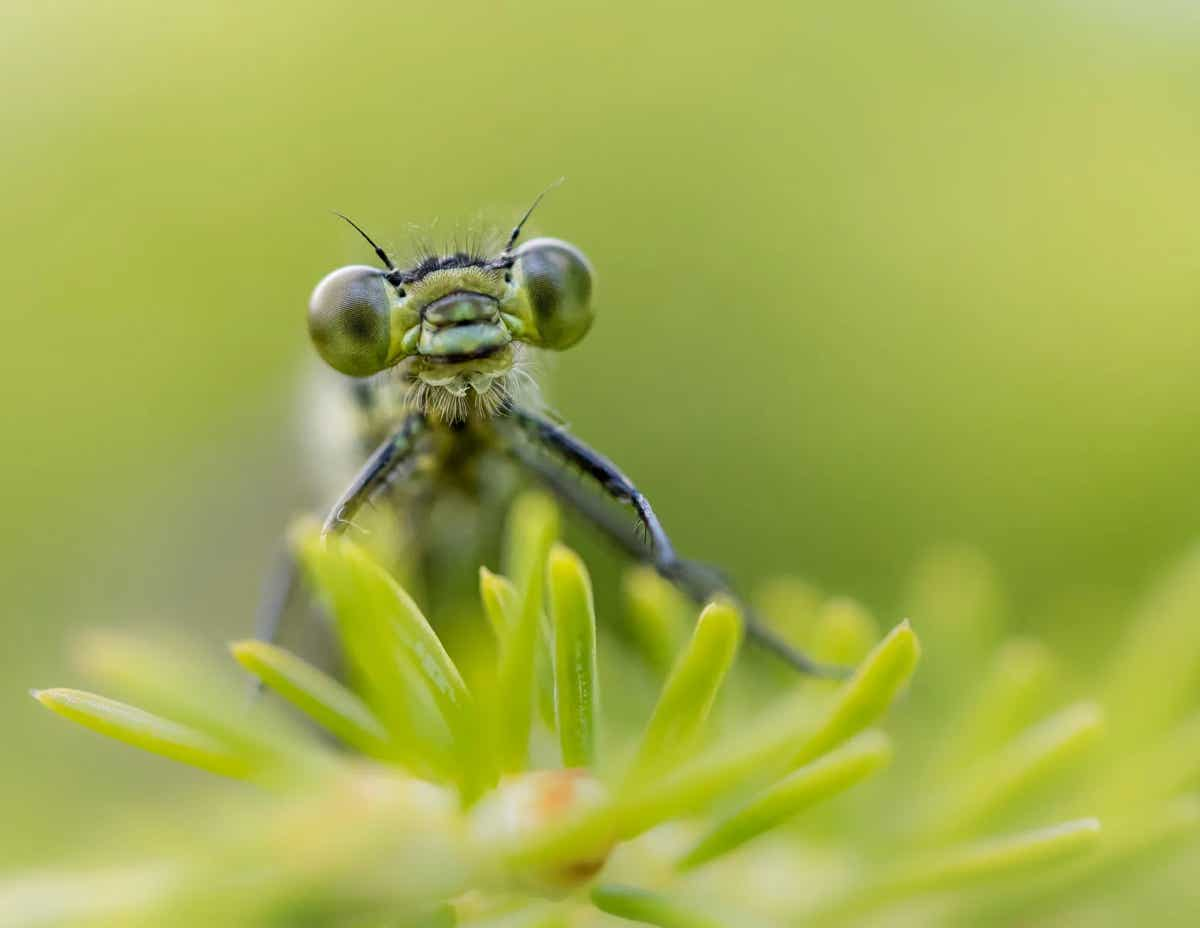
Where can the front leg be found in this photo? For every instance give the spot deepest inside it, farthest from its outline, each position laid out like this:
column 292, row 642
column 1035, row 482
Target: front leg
column 696, row 580
column 382, row 468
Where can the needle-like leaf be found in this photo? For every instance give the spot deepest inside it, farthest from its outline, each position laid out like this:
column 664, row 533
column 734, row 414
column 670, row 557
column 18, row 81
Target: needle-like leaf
column 1037, row 753
column 658, row 616
column 574, row 616
column 399, row 656
column 189, row 689
column 814, row 783
column 316, row 694
column 994, row 858
column 649, row 908
column 689, row 691
column 964, row 866
column 867, row 695
column 500, row 602
column 147, row 731
column 533, row 526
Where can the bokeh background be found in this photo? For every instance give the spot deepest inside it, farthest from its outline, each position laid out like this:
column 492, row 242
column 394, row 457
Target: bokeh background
column 873, row 277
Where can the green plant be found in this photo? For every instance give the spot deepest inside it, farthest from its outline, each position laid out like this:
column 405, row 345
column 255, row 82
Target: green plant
column 492, row 791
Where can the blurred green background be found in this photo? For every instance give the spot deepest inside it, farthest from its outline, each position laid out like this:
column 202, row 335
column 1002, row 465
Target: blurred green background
column 871, row 277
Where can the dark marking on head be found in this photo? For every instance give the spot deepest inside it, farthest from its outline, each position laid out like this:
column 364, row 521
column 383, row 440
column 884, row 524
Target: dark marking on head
column 433, row 263
column 471, row 257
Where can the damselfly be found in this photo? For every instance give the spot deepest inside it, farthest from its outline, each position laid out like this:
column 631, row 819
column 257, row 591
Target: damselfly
column 433, row 356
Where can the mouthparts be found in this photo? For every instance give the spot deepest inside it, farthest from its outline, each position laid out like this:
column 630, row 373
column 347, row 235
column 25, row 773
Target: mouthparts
column 461, row 326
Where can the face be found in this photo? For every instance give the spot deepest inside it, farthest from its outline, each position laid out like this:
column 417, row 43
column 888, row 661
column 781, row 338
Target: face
column 454, row 320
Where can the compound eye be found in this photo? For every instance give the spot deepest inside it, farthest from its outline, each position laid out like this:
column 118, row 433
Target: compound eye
column 349, row 320
column 558, row 280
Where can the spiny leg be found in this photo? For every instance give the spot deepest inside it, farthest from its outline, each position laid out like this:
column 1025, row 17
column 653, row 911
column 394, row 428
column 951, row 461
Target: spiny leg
column 381, row 468
column 629, row 537
column 698, row 581
column 283, row 580
column 384, row 465
column 568, row 488
column 280, row 606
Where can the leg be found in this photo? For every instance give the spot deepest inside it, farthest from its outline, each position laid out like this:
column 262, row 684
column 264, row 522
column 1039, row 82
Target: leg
column 278, row 602
column 277, row 594
column 698, row 581
column 570, row 449
column 284, row 578
column 567, row 486
column 377, row 474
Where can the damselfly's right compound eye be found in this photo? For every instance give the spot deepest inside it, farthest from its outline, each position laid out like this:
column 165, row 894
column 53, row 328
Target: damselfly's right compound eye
column 349, row 320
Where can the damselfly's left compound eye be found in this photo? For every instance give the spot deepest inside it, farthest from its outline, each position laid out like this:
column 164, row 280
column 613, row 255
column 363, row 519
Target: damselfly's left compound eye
column 558, row 280
column 349, row 320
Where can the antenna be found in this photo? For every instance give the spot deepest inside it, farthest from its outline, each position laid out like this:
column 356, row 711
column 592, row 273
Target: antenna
column 379, row 251
column 516, row 232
